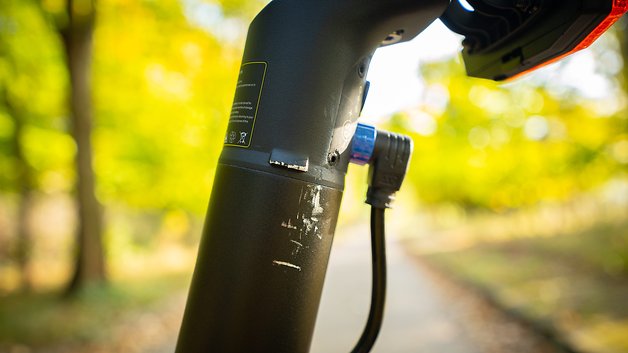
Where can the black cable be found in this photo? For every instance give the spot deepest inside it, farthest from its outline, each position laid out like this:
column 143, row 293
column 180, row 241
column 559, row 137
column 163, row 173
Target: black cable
column 378, row 291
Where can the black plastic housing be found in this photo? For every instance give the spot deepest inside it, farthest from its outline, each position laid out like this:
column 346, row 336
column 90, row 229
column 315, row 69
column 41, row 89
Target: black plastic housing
column 505, row 38
column 389, row 165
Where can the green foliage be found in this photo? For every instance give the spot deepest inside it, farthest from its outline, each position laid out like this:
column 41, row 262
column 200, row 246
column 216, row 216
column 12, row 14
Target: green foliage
column 487, row 145
column 162, row 89
column 240, row 8
column 32, row 86
column 161, row 102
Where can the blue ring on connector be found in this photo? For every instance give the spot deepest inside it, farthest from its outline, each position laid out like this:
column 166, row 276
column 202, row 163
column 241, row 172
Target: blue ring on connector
column 363, row 144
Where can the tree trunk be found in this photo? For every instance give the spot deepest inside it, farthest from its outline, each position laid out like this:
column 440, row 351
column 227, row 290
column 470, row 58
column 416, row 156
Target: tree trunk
column 24, row 234
column 77, row 40
column 25, row 239
column 25, row 186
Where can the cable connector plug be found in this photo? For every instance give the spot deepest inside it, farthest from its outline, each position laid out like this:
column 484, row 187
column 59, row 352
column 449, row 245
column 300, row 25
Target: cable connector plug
column 389, row 165
column 389, row 159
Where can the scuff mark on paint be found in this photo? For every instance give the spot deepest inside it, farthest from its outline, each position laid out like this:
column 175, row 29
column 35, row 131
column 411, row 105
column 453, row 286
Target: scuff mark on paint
column 308, row 220
column 308, row 224
column 289, row 225
column 287, row 264
column 297, row 248
column 299, row 167
column 316, row 201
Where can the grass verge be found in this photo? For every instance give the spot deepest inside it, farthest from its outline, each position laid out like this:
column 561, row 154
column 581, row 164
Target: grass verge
column 576, row 283
column 47, row 319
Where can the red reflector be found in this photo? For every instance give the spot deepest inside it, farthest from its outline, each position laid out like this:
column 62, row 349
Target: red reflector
column 620, row 7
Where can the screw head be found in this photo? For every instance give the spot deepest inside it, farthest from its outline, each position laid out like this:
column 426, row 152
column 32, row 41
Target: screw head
column 333, row 158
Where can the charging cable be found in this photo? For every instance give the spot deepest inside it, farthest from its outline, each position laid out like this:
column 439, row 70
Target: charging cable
column 388, row 155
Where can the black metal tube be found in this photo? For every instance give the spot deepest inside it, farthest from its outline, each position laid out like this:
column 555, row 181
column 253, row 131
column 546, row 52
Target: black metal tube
column 261, row 264
column 277, row 192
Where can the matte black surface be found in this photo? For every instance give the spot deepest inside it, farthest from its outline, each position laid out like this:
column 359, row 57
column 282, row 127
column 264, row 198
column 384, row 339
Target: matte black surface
column 318, row 52
column 261, row 265
column 389, row 165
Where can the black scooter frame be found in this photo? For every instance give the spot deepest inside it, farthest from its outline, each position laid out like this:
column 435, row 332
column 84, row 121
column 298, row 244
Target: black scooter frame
column 279, row 182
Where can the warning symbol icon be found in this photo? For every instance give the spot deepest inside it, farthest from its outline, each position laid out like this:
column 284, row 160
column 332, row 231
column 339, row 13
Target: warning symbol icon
column 242, row 138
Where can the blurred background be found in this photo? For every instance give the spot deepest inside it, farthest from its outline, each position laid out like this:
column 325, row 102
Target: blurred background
column 112, row 117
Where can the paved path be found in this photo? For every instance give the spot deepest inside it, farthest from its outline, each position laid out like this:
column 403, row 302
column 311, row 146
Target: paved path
column 417, row 319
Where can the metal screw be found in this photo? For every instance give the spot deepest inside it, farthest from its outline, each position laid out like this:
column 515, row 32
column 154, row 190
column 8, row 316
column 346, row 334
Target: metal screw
column 362, row 69
column 333, row 158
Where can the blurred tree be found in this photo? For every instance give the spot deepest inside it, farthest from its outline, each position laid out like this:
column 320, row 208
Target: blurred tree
column 75, row 24
column 77, row 39
column 24, row 177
